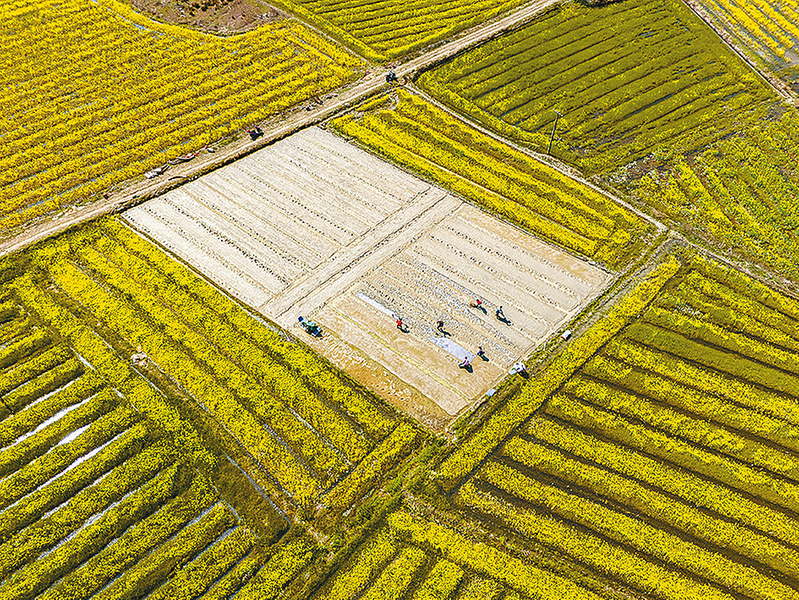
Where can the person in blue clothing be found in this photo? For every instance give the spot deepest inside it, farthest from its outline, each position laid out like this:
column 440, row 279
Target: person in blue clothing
column 310, row 327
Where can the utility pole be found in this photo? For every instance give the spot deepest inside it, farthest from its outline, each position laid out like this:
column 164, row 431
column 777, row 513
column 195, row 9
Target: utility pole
column 552, row 137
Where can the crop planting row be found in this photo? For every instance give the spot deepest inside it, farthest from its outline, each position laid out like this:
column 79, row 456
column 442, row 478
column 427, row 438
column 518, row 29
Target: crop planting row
column 770, row 28
column 668, row 460
column 305, row 425
column 388, row 29
column 108, row 94
column 95, row 498
column 627, row 78
column 428, row 140
column 739, row 194
column 110, row 485
column 411, row 557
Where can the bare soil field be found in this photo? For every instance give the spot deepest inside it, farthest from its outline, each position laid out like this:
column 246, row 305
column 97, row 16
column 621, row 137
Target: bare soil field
column 312, row 226
column 223, row 17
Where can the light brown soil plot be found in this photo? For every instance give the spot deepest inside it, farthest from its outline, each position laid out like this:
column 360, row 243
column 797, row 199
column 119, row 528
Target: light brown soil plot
column 314, row 226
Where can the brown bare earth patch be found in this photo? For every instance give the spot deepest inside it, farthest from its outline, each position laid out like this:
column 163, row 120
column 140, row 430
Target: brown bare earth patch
column 222, row 17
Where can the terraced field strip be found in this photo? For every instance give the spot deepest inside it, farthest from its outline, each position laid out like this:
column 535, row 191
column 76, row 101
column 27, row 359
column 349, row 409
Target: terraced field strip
column 672, row 449
column 96, row 499
column 313, row 226
column 628, row 78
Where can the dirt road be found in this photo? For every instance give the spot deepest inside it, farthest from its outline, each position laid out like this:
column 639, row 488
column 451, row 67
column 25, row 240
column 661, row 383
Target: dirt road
column 372, row 83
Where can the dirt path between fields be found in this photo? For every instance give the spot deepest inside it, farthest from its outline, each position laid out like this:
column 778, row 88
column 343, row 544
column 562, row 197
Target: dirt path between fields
column 373, row 82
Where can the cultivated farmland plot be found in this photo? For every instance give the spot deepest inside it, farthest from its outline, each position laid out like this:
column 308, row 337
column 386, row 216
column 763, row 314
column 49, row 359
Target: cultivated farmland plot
column 96, row 499
column 169, row 431
column 312, row 226
column 103, row 94
column 388, row 29
column 740, row 195
column 767, row 29
column 628, row 77
column 660, row 449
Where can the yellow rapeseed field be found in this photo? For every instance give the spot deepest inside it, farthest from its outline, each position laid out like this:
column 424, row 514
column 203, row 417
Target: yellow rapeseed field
column 93, row 94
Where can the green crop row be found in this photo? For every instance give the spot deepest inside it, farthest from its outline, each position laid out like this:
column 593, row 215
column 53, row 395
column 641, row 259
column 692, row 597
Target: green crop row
column 46, row 383
column 197, row 576
column 726, row 362
column 611, row 114
column 506, row 59
column 140, row 577
column 369, row 470
column 740, row 312
column 28, row 420
column 278, row 571
column 654, row 95
column 684, row 128
column 364, row 567
column 691, row 488
column 168, row 353
column 486, row 560
column 19, row 350
column 243, row 352
column 32, row 474
column 125, row 464
column 486, row 62
column 704, row 308
column 604, row 73
column 14, row 330
column 749, row 288
column 395, row 578
column 305, row 365
column 739, row 343
column 440, row 582
column 731, row 391
column 706, row 407
column 33, row 367
column 38, row 446
column 596, row 552
column 89, row 541
column 638, row 534
column 385, row 30
column 110, row 293
column 95, row 350
column 739, row 195
column 540, row 67
column 679, row 425
column 657, row 505
column 623, row 431
column 504, row 170
column 535, row 392
column 9, row 312
column 233, row 580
